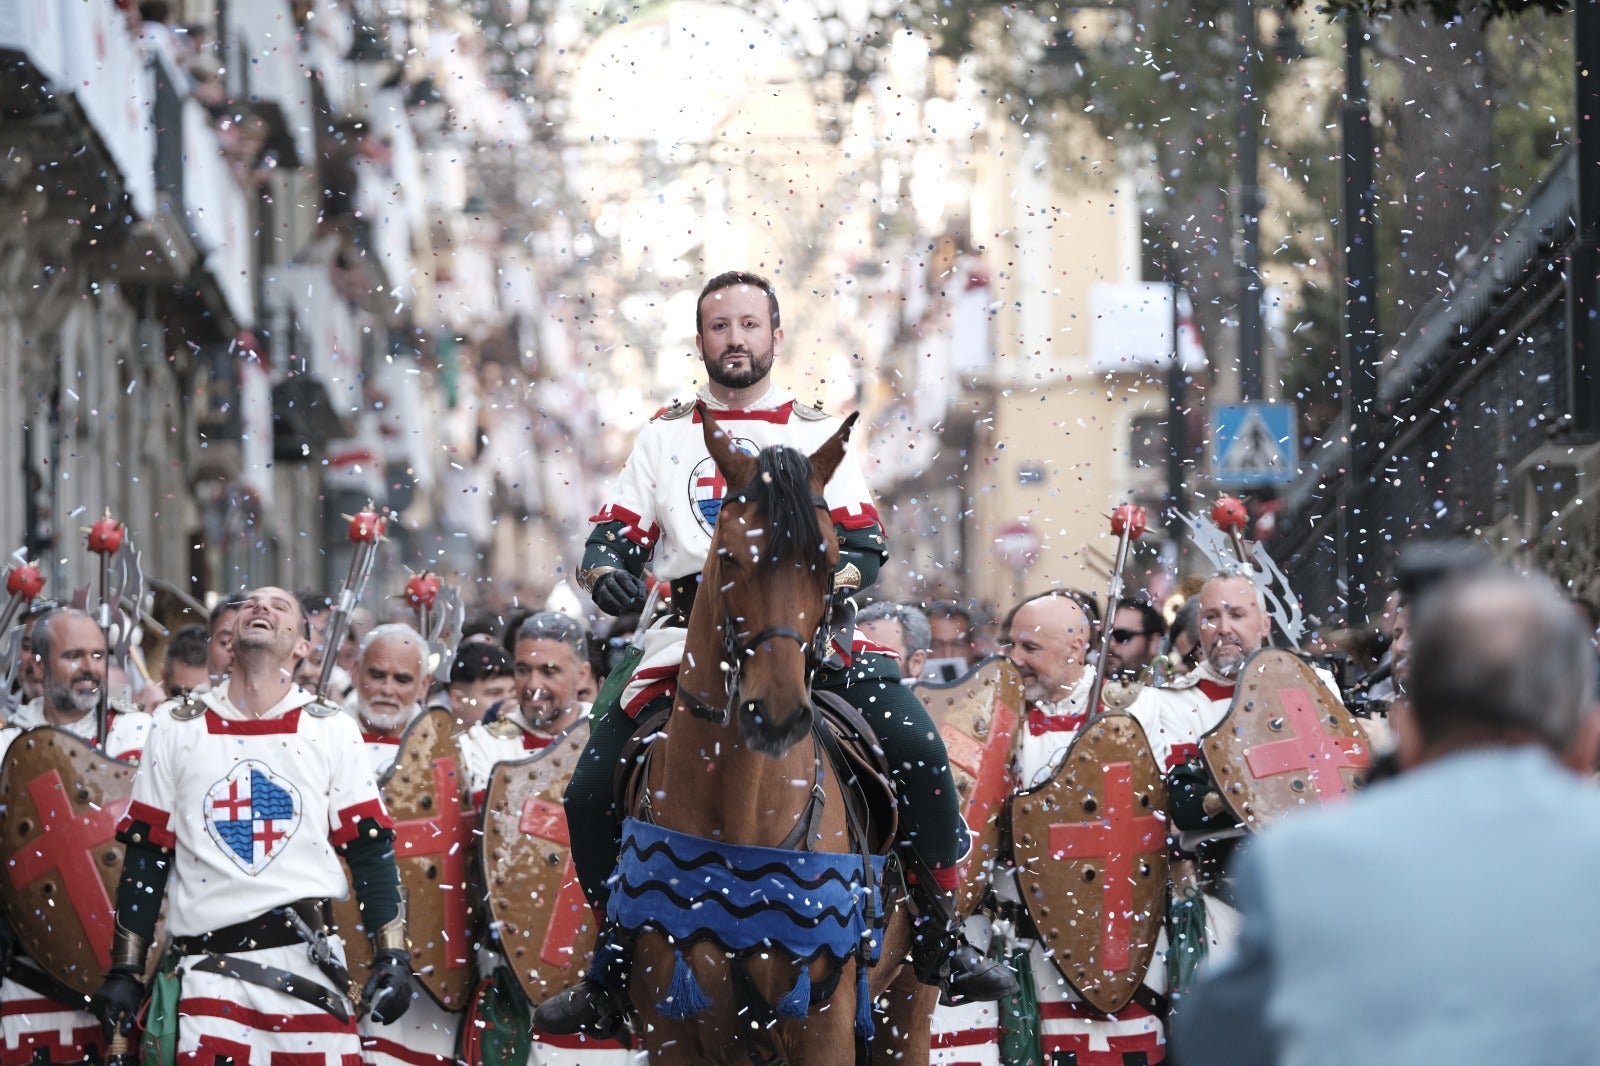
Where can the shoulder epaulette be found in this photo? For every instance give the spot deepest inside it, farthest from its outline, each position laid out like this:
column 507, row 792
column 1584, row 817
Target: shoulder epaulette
column 504, row 729
column 1182, row 681
column 122, row 706
column 187, row 708
column 675, row 409
column 322, row 707
column 814, row 413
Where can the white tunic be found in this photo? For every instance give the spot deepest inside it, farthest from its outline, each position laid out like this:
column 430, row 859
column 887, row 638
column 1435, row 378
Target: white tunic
column 670, row 492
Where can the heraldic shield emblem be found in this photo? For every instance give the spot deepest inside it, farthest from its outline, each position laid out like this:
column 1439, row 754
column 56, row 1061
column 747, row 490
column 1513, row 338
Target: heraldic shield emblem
column 433, row 827
column 545, row 924
column 1286, row 742
column 60, row 802
column 1090, row 846
column 979, row 717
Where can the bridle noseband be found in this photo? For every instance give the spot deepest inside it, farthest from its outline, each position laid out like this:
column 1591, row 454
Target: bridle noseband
column 735, row 651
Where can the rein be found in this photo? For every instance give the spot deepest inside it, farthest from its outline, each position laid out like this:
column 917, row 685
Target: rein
column 735, row 651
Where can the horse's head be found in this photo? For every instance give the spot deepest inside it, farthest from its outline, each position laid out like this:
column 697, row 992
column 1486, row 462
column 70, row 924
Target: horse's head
column 766, row 584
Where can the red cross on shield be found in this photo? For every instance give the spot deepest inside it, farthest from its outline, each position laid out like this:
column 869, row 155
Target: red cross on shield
column 1286, row 742
column 1090, row 847
column 60, row 801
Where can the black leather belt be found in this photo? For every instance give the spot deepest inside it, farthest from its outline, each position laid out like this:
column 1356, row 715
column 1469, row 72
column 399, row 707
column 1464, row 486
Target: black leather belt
column 307, row 921
column 270, row 930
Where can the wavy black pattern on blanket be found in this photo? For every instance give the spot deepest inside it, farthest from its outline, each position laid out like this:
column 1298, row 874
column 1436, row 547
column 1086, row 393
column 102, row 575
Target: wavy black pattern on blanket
column 739, row 896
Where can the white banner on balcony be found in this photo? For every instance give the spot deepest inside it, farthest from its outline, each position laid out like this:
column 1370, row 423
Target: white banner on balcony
column 33, row 28
column 1130, row 329
column 106, row 72
column 273, row 67
column 326, row 334
column 219, row 215
column 255, row 427
column 408, row 436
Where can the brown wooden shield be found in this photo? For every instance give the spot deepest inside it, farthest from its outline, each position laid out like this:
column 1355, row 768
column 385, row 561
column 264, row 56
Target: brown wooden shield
column 980, row 718
column 545, row 925
column 60, row 802
column 1090, row 846
column 424, row 792
column 1286, row 743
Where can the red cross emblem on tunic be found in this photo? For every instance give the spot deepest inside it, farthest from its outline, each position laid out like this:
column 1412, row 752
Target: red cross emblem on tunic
column 1311, row 748
column 67, row 850
column 1117, row 840
column 443, row 837
column 546, row 821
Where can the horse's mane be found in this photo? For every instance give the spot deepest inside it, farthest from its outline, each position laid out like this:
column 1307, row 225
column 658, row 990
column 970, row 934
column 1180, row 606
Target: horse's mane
column 781, row 490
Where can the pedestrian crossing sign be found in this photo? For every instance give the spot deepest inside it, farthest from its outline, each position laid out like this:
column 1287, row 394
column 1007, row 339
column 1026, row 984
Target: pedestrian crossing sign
column 1254, row 444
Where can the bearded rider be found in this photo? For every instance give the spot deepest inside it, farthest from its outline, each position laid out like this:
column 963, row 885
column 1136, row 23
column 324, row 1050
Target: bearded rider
column 660, row 514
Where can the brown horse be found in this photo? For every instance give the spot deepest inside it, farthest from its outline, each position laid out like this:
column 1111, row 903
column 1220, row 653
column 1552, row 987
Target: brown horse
column 735, row 765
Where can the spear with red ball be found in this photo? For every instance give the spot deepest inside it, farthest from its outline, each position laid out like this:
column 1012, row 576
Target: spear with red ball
column 365, row 531
column 24, row 582
column 1230, row 515
column 1127, row 524
column 104, row 538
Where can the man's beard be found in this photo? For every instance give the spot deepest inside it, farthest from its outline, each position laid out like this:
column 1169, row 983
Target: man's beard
column 62, row 694
column 760, row 366
column 384, row 718
column 1228, row 662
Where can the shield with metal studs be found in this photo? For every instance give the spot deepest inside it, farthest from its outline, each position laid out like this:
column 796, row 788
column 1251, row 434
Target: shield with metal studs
column 978, row 718
column 1090, row 847
column 424, row 792
column 545, row 925
column 60, row 802
column 1286, row 743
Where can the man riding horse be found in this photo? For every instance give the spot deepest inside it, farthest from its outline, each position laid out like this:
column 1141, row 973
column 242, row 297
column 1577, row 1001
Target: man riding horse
column 661, row 513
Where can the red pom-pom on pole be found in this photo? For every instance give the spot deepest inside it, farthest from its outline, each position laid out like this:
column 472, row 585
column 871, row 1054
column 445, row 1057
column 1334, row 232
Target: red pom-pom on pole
column 105, row 536
column 1129, row 517
column 1230, row 515
column 25, row 580
column 366, row 527
column 422, row 590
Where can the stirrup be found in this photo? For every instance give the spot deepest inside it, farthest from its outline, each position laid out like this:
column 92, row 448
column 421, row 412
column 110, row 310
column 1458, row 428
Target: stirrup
column 586, row 1007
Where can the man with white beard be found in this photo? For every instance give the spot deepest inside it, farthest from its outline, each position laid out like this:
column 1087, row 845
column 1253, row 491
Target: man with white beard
column 391, row 679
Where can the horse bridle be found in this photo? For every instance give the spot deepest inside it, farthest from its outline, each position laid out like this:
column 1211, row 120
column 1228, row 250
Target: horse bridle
column 735, row 652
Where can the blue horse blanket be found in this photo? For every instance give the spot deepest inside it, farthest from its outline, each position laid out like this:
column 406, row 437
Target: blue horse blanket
column 744, row 897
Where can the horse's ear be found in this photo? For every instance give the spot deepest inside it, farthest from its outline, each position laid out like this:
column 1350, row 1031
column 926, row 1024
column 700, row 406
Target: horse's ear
column 826, row 459
column 738, row 468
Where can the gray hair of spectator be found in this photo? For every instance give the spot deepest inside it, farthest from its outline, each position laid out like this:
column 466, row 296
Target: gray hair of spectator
column 39, row 643
column 189, row 646
column 553, row 625
column 913, row 622
column 398, row 632
column 1500, row 653
column 1186, row 621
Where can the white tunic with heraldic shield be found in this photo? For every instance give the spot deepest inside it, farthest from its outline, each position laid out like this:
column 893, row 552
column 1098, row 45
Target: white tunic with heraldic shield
column 276, row 795
column 670, row 492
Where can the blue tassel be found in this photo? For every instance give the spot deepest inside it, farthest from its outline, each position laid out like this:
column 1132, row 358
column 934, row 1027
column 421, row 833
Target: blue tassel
column 797, row 1004
column 685, row 997
column 863, row 1003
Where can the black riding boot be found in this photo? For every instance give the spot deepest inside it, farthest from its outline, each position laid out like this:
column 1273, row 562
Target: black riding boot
column 597, row 1005
column 941, row 956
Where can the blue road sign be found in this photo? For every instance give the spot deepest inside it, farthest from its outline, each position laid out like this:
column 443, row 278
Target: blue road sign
column 1254, row 444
